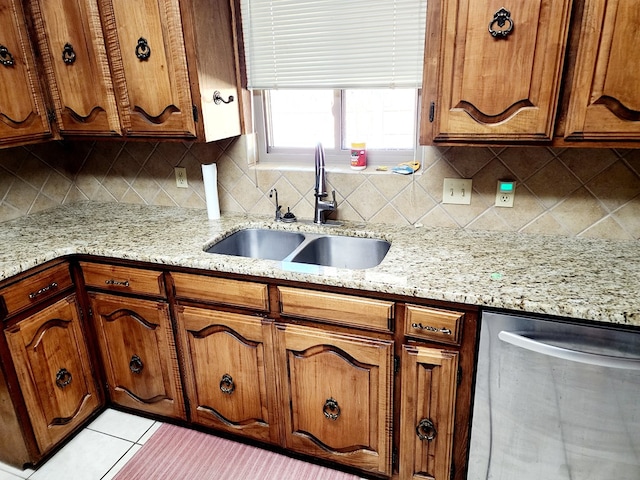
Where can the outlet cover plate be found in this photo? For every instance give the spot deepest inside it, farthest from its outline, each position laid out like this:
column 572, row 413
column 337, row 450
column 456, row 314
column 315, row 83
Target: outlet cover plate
column 505, row 199
column 457, row 191
column 181, row 177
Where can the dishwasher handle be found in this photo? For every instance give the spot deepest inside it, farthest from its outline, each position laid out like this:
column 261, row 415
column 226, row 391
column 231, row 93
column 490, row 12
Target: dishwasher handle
column 569, row 354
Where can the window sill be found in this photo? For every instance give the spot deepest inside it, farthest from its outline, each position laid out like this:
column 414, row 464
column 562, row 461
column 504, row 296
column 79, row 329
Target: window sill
column 343, row 169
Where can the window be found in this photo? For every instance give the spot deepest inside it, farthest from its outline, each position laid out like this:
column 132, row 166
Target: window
column 335, row 72
column 291, row 122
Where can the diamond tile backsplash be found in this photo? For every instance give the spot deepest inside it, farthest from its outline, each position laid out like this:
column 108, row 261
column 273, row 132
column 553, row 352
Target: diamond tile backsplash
column 573, row 192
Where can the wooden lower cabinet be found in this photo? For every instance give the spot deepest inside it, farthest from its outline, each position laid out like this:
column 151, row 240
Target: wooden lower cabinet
column 427, row 412
column 229, row 372
column 53, row 368
column 310, row 371
column 138, row 353
column 336, row 396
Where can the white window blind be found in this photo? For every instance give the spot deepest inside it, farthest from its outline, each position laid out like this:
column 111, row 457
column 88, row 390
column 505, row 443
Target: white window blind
column 334, row 43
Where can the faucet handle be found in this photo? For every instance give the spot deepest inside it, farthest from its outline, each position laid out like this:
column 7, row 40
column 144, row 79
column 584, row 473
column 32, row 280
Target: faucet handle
column 333, row 194
column 278, row 216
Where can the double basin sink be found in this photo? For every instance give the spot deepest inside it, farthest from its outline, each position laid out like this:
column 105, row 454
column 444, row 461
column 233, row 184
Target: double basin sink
column 305, row 248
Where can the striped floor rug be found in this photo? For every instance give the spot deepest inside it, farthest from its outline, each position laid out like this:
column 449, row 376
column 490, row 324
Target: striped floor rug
column 176, row 453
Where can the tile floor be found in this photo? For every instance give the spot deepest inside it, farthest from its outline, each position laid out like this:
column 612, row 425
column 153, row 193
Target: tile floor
column 97, row 453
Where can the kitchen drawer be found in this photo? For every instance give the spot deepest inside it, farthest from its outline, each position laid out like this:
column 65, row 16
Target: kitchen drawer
column 237, row 293
column 444, row 326
column 336, row 308
column 123, row 279
column 36, row 288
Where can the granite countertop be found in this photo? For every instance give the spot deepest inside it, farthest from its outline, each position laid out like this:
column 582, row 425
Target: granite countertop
column 585, row 279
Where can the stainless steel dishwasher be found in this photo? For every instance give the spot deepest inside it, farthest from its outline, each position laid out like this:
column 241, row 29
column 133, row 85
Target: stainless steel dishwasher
column 555, row 401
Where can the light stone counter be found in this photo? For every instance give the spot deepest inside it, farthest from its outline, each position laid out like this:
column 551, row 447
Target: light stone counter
column 579, row 278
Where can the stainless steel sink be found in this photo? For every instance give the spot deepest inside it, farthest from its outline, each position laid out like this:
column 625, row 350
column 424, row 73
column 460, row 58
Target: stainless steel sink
column 258, row 243
column 303, row 248
column 343, row 252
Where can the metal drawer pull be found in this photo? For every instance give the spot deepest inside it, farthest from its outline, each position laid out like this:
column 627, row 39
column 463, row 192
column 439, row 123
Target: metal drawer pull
column 5, row 57
column 331, row 409
column 68, row 54
column 63, row 378
column 118, row 283
column 136, row 365
column 226, row 384
column 33, row 295
column 143, row 52
column 426, row 430
column 429, row 328
column 501, row 18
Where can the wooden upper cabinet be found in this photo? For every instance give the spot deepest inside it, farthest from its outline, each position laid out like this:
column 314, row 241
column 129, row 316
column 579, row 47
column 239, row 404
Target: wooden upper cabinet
column 23, row 115
column 481, row 86
column 604, row 101
column 74, row 58
column 211, row 49
column 110, row 68
column 149, row 67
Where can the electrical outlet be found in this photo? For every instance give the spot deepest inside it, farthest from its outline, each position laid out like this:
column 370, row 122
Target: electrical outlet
column 456, row 190
column 505, row 193
column 181, row 177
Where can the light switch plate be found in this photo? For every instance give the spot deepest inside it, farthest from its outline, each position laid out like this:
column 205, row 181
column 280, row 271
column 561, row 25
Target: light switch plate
column 457, row 191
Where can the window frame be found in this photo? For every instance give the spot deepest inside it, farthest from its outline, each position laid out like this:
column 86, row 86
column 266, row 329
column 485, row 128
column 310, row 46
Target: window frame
column 336, row 158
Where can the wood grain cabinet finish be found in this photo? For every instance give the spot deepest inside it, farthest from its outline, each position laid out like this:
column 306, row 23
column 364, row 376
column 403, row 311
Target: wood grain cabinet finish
column 121, row 279
column 310, row 371
column 112, row 68
column 23, row 113
column 35, row 289
column 138, row 353
column 427, row 412
column 229, row 372
column 221, row 291
column 435, row 324
column 52, row 363
column 223, row 107
column 336, row 308
column 484, row 87
column 149, row 66
column 75, row 60
column 336, row 396
column 604, row 99
column 173, row 65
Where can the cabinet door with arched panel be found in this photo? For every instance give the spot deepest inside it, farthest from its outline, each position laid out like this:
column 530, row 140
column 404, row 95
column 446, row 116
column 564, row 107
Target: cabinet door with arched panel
column 493, row 70
column 337, row 396
column 229, row 371
column 75, row 61
column 604, row 99
column 52, row 363
column 138, row 352
column 149, row 66
column 23, row 113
